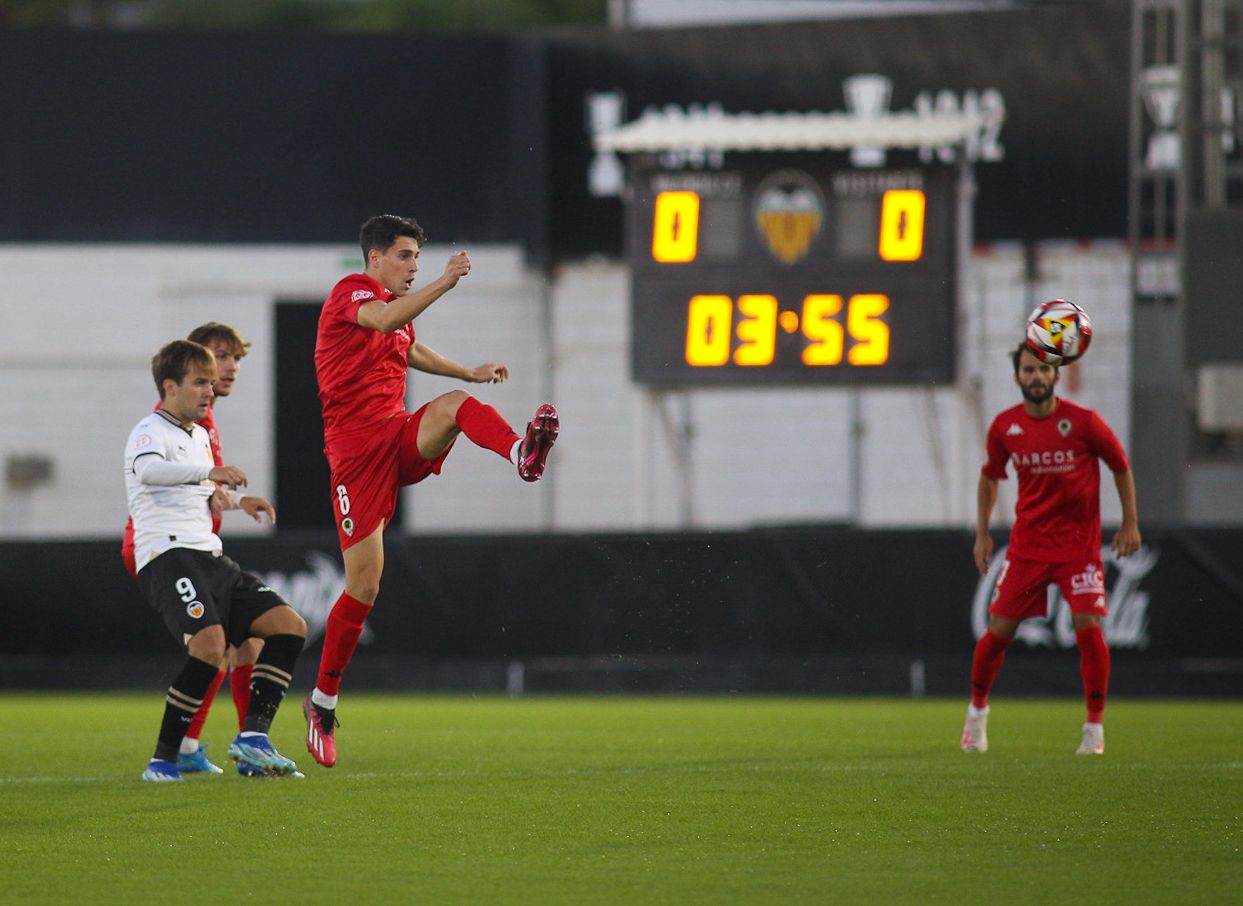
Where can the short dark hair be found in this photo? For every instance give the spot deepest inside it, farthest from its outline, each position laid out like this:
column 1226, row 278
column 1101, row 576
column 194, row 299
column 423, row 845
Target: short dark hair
column 381, row 231
column 1018, row 354
column 215, row 332
column 176, row 359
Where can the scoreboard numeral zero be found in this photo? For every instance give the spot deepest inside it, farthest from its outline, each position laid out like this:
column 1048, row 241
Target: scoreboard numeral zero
column 675, row 227
column 901, row 225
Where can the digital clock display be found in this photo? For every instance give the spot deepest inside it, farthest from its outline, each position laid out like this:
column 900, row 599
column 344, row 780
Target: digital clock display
column 784, row 268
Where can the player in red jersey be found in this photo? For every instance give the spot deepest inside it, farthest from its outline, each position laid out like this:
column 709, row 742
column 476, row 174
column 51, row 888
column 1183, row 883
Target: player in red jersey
column 365, row 344
column 1055, row 446
column 229, row 348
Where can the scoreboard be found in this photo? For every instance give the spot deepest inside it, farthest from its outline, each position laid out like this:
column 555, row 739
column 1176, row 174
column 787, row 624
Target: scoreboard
column 783, row 268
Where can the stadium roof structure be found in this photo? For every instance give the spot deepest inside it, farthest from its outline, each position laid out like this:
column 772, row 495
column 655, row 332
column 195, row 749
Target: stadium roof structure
column 676, row 130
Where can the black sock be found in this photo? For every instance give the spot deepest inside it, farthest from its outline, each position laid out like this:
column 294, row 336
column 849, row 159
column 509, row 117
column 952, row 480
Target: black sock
column 270, row 679
column 183, row 700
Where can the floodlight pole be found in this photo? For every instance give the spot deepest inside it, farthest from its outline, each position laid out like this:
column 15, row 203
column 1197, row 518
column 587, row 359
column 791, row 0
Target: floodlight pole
column 970, row 381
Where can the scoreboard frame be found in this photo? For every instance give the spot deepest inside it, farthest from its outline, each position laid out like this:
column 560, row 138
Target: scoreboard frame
column 792, row 268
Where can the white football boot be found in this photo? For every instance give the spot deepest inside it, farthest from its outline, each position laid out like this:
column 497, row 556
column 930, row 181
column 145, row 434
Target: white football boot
column 975, row 732
column 1093, row 740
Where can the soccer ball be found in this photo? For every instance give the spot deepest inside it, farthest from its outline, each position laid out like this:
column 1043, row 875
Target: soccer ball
column 1058, row 332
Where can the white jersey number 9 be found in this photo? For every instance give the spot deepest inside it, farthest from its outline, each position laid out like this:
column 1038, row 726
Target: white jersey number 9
column 185, row 588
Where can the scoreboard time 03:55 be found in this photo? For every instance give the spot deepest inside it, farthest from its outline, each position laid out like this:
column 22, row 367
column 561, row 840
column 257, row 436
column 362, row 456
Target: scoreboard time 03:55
column 784, row 269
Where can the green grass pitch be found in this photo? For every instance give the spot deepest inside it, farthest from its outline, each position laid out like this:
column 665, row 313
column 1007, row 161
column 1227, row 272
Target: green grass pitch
column 646, row 800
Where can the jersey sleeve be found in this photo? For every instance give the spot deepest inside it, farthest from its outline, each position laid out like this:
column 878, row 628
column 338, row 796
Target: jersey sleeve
column 155, row 470
column 996, row 454
column 143, row 441
column 1106, row 445
column 351, row 295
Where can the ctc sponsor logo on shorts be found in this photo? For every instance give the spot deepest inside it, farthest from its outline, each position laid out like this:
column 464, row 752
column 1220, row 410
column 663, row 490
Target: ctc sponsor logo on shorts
column 347, row 526
column 1001, row 577
column 195, row 609
column 1089, row 582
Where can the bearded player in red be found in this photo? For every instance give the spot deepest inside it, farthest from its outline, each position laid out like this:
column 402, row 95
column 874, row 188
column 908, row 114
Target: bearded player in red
column 1055, row 446
column 364, row 345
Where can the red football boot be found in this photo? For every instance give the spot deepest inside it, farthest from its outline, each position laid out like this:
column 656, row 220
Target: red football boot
column 320, row 724
column 541, row 435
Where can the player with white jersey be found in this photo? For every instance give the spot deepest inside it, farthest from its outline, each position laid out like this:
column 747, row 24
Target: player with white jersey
column 204, row 598
column 229, row 348
column 1055, row 447
column 174, row 512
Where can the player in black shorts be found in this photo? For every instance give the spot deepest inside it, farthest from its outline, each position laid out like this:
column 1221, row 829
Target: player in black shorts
column 204, row 598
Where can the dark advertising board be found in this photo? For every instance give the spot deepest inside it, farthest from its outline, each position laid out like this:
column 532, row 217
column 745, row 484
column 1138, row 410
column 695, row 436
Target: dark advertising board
column 807, row 609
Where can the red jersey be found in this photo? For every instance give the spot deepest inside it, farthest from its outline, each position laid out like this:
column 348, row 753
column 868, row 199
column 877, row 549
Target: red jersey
column 1058, row 514
column 208, row 422
column 361, row 372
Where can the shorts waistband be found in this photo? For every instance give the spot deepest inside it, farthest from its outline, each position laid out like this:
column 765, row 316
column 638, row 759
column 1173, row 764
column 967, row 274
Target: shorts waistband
column 355, row 430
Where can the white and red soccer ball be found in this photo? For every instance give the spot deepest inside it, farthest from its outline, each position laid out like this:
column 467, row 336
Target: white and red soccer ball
column 1058, row 332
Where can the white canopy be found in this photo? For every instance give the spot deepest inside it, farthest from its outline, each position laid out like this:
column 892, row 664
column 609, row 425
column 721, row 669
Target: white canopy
column 672, row 130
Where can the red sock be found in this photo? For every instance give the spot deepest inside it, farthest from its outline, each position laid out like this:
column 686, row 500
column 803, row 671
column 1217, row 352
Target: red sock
column 990, row 653
column 200, row 716
column 1094, row 668
column 239, row 685
column 485, row 427
column 345, row 625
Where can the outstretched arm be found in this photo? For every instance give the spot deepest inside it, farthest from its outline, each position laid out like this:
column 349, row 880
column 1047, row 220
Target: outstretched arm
column 1126, row 540
column 423, row 358
column 222, row 500
column 389, row 316
column 986, row 499
column 253, row 506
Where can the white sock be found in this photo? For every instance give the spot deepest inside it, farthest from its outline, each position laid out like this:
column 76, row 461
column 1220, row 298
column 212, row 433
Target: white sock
column 973, row 711
column 188, row 746
column 1091, row 726
column 324, row 701
column 513, row 451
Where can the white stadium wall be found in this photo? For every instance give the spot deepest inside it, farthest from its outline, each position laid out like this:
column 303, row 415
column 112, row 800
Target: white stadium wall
column 80, row 324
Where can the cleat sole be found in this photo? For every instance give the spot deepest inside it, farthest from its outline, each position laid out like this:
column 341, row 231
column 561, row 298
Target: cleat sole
column 542, row 432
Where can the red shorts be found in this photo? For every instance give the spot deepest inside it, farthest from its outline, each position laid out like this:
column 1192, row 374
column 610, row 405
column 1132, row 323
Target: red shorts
column 367, row 468
column 1020, row 591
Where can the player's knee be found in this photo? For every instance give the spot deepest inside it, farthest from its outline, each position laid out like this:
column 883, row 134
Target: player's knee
column 447, row 404
column 1001, row 626
column 363, row 588
column 362, row 579
column 282, row 620
column 208, row 645
column 1084, row 620
column 245, row 654
column 290, row 623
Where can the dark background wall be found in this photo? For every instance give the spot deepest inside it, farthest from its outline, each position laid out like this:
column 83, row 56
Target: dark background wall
column 193, row 137
column 810, row 609
column 224, row 137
